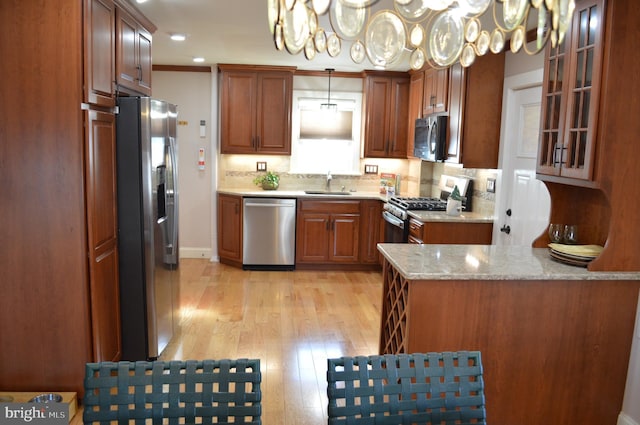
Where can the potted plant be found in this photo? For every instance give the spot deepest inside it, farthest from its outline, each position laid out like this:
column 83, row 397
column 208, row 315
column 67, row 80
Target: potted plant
column 268, row 181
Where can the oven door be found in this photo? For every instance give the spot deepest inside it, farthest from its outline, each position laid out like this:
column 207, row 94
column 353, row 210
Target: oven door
column 396, row 230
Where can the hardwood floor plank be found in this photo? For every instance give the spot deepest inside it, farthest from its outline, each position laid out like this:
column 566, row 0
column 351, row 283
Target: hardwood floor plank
column 292, row 320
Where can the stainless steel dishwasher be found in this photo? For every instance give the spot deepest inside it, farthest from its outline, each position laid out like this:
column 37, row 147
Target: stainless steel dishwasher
column 269, row 233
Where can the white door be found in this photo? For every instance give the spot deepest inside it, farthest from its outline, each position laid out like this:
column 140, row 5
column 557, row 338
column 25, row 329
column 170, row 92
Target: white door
column 522, row 201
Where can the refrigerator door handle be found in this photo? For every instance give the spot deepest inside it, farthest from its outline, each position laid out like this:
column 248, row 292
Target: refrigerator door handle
column 173, row 243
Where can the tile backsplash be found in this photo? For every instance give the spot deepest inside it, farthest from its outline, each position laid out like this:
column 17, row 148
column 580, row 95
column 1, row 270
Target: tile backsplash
column 418, row 178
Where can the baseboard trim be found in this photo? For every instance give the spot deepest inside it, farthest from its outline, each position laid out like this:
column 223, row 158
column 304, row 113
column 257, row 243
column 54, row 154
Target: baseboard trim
column 624, row 419
column 195, row 252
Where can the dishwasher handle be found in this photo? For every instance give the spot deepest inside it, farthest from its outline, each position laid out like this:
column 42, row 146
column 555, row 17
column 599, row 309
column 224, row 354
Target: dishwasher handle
column 251, row 204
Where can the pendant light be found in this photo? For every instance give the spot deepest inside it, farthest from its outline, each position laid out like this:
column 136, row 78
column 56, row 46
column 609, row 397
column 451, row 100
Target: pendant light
column 329, row 106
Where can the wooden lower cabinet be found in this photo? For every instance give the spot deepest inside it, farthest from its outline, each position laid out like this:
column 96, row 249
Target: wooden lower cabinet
column 338, row 234
column 437, row 232
column 553, row 351
column 328, row 232
column 230, row 229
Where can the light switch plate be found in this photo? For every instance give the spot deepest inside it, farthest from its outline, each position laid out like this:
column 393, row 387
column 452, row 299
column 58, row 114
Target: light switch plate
column 261, row 166
column 491, row 185
column 370, row 169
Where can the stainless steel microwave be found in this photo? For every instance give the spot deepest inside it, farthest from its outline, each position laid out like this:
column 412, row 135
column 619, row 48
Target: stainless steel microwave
column 430, row 141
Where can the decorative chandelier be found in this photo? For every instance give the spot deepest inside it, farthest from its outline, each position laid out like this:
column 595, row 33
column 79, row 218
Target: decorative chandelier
column 434, row 32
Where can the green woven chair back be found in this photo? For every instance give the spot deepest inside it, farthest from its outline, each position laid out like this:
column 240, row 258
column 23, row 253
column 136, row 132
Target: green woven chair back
column 173, row 392
column 432, row 388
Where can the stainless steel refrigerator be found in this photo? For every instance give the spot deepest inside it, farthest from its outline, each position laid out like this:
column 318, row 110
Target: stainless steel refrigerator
column 146, row 158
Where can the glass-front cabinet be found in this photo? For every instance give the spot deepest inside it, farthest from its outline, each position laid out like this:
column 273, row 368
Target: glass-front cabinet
column 570, row 97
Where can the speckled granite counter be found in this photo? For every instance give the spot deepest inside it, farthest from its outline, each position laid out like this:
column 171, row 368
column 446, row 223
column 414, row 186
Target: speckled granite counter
column 301, row 194
column 486, row 262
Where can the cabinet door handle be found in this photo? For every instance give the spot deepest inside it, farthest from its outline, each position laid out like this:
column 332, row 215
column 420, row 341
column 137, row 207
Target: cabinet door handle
column 139, row 70
column 558, row 155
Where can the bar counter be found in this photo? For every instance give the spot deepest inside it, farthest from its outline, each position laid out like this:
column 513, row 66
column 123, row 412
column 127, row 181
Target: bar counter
column 555, row 339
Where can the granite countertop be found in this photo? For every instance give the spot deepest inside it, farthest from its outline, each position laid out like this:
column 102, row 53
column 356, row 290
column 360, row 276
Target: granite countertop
column 486, row 262
column 440, row 216
column 301, row 194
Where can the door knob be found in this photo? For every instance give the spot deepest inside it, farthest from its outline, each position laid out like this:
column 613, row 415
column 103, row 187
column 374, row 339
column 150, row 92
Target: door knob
column 506, row 229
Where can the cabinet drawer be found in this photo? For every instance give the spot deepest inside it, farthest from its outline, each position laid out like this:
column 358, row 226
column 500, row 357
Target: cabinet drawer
column 340, row 207
column 416, row 229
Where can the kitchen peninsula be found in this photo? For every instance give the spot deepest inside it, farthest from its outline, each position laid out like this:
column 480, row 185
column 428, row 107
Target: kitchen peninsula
column 555, row 339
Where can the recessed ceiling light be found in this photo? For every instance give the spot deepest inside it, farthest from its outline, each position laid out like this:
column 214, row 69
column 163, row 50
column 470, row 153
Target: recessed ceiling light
column 141, row 1
column 198, row 59
column 178, row 37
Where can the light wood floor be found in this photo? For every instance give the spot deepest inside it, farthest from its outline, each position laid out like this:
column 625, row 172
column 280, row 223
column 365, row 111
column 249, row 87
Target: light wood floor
column 291, row 321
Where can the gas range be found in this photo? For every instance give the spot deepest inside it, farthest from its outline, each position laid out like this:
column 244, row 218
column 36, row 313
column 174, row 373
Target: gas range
column 398, row 206
column 419, row 203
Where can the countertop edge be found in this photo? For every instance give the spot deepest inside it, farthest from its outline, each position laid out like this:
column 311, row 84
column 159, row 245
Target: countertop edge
column 301, row 194
column 486, row 262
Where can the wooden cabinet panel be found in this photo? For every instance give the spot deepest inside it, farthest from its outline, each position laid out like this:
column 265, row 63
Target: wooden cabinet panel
column 313, row 240
column 571, row 94
column 133, row 60
column 237, row 116
column 230, row 229
column 328, row 232
column 416, row 93
column 144, row 60
column 102, row 234
column 255, row 109
column 436, row 91
column 386, row 116
column 273, row 117
column 370, row 234
column 398, row 127
column 344, row 238
column 378, row 97
column 442, row 232
column 99, row 52
column 475, row 110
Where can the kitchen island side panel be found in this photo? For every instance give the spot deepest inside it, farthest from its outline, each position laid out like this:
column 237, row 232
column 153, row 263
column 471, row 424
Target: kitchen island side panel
column 553, row 351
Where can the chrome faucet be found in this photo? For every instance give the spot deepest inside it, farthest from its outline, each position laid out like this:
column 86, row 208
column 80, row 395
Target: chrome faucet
column 328, row 187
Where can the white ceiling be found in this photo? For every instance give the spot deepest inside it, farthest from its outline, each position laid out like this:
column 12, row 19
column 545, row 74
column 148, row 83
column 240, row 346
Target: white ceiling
column 232, row 31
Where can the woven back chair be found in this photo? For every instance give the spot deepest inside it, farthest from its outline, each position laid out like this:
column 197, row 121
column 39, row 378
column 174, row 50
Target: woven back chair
column 432, row 388
column 173, row 392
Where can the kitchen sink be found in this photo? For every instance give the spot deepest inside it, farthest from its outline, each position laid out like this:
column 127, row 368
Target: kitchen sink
column 325, row 192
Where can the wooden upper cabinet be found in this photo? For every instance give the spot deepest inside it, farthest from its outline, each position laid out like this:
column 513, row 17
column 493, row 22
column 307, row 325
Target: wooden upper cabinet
column 570, row 98
column 386, row 115
column 133, row 60
column 99, row 52
column 436, row 91
column 416, row 93
column 255, row 109
column 475, row 109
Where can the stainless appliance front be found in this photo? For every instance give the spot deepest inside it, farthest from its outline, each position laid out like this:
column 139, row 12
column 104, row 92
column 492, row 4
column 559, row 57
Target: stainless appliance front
column 146, row 155
column 269, row 233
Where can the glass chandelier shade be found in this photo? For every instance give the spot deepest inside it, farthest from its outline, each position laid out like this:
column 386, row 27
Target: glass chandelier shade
column 434, row 32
